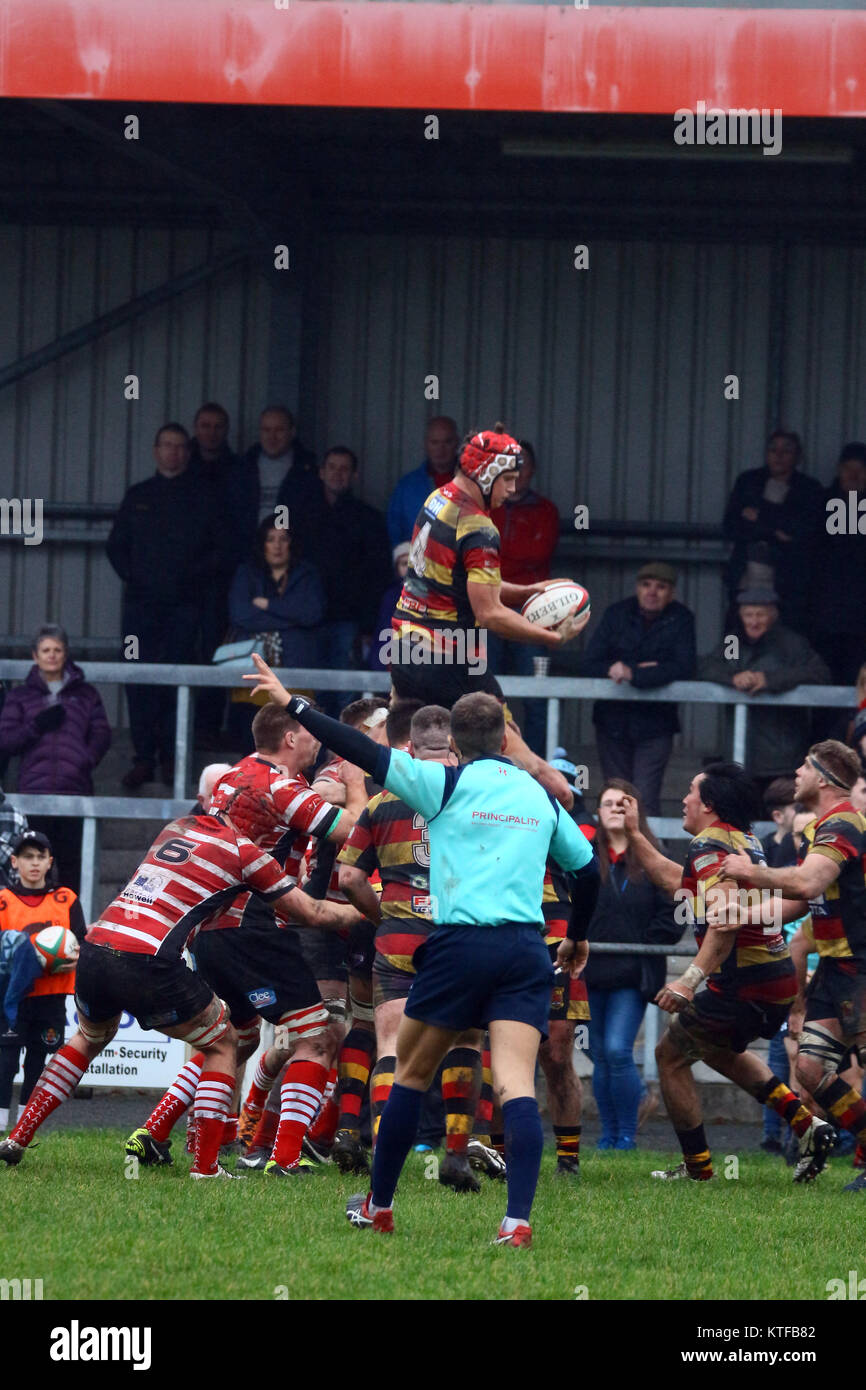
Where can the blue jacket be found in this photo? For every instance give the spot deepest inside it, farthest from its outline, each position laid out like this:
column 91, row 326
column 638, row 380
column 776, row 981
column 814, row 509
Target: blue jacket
column 295, row 614
column 407, row 499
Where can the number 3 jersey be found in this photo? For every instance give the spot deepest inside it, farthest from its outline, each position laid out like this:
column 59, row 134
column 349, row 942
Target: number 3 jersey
column 390, row 836
column 195, row 867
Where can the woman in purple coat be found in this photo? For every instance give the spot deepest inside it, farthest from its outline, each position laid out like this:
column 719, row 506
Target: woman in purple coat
column 58, row 725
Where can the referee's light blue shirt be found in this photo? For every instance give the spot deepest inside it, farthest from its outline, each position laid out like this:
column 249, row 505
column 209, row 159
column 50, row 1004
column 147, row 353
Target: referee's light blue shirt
column 492, row 827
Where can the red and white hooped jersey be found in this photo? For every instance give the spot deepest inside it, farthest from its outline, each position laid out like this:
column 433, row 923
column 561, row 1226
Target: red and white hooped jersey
column 194, row 869
column 282, row 812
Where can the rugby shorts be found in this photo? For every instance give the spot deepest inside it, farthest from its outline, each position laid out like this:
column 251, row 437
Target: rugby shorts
column 470, row 976
column 160, row 991
column 257, row 970
column 838, row 990
column 727, row 1021
column 397, row 940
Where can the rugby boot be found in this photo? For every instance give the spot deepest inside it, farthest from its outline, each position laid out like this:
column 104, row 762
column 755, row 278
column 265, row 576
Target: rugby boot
column 150, row 1152
column 816, row 1145
column 10, row 1152
column 858, row 1185
column 455, row 1172
column 349, row 1153
column 567, row 1167
column 220, row 1173
column 358, row 1214
column 315, row 1150
column 485, row 1159
column 520, row 1237
column 681, row 1171
column 302, row 1168
column 256, row 1159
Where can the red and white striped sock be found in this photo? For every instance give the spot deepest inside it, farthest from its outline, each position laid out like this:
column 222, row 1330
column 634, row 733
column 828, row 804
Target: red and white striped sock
column 213, row 1096
column 177, row 1099
column 300, row 1096
column 324, row 1127
column 55, row 1085
column 262, row 1083
column 230, row 1129
column 266, row 1131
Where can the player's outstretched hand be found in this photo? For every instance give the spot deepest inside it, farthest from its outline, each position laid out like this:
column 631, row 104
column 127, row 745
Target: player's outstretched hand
column 266, row 680
column 631, row 820
column 572, row 956
column 737, row 866
column 674, row 997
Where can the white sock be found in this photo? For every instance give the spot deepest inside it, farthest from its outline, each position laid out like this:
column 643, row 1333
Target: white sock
column 373, row 1209
column 511, row 1223
column 4, row 1120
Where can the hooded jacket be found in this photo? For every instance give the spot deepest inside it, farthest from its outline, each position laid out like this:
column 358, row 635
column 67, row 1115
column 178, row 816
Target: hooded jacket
column 59, row 760
column 624, row 635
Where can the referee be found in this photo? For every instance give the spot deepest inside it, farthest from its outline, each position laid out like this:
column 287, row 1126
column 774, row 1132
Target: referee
column 485, row 964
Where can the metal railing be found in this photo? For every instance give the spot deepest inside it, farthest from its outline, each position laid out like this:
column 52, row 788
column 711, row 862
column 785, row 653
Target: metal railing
column 553, row 689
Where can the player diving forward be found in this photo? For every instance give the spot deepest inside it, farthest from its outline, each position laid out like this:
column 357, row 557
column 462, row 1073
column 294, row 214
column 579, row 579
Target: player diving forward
column 131, row 961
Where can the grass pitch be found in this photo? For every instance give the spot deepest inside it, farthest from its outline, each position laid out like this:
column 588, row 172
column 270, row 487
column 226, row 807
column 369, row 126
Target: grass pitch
column 71, row 1218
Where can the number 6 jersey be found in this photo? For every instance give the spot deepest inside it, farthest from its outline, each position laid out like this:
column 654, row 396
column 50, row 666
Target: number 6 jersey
column 194, row 868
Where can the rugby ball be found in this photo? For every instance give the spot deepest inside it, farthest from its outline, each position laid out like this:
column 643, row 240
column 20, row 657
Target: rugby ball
column 57, row 949
column 561, row 599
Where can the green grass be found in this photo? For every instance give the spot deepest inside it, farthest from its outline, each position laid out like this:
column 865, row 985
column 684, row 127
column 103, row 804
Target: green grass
column 73, row 1220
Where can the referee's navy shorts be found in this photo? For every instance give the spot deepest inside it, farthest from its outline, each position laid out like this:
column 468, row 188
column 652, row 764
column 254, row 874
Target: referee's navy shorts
column 467, row 977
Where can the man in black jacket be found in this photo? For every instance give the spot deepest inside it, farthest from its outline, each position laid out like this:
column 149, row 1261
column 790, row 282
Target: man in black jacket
column 167, row 542
column 276, row 472
column 347, row 541
column 645, row 641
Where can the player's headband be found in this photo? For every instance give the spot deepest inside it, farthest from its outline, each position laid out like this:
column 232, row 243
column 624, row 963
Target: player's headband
column 827, row 775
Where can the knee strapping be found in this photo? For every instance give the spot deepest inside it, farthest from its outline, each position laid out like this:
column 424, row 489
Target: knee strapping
column 249, row 1034
column 819, row 1044
column 337, row 1009
column 362, row 1009
column 97, row 1034
column 296, row 1024
column 211, row 1030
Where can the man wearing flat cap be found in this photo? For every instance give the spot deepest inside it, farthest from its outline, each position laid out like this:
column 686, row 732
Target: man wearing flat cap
column 766, row 658
column 645, row 641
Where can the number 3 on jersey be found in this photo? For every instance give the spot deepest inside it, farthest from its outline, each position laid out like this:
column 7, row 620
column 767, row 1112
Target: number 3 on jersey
column 421, row 849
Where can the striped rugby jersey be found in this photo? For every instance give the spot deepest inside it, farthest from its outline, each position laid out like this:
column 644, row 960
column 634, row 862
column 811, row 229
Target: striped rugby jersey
column 391, row 838
column 284, row 810
column 454, row 541
column 759, row 965
column 194, row 869
column 839, row 914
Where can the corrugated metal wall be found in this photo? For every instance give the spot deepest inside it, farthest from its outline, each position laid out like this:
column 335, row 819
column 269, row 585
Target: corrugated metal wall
column 615, row 372
column 67, row 433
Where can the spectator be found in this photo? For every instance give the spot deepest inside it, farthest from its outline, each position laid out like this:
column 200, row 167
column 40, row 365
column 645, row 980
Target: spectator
column 280, row 597
column 347, row 540
column 57, row 723
column 857, row 728
column 441, row 442
column 775, row 517
column 766, row 656
column 38, row 1024
column 213, row 464
column 838, row 583
column 12, row 827
column 647, row 641
column 857, row 795
column 529, row 527
column 629, row 909
column 779, row 848
column 400, row 556
column 168, row 541
column 277, row 472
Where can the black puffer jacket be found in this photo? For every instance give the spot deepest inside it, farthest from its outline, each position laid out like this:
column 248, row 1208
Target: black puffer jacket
column 624, row 635
column 630, row 911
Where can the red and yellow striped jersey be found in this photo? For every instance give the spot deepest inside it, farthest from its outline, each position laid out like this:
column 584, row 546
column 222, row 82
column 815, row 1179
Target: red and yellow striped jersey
column 391, row 837
column 839, row 914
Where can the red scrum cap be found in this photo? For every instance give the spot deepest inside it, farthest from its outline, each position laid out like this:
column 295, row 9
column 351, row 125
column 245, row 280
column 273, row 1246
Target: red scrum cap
column 484, row 456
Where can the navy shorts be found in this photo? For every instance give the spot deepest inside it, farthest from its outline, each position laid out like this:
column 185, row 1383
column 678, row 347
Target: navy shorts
column 468, row 977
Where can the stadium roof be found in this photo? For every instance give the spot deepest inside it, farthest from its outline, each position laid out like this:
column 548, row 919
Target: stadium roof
column 517, row 57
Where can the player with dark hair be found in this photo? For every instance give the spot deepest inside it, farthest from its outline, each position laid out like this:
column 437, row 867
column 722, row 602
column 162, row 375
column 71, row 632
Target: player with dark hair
column 742, row 956
column 491, row 829
column 453, row 589
column 831, row 878
column 131, row 960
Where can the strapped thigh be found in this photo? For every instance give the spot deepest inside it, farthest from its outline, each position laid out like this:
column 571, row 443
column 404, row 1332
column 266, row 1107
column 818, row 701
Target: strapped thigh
column 97, row 1034
column 209, row 1028
column 819, row 1044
